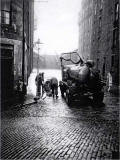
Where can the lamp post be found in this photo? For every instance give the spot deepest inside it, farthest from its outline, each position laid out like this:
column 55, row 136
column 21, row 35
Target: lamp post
column 39, row 85
column 38, row 43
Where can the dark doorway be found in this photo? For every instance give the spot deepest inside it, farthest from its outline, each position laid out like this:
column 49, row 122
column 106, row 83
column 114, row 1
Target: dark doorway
column 7, row 73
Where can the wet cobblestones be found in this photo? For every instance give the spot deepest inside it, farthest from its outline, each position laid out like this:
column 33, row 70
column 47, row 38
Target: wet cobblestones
column 51, row 130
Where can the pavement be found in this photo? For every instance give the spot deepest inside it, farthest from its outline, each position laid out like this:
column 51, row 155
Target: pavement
column 52, row 130
column 16, row 101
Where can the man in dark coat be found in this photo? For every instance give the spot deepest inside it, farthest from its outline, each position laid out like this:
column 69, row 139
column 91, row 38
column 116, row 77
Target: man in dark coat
column 54, row 86
column 39, row 83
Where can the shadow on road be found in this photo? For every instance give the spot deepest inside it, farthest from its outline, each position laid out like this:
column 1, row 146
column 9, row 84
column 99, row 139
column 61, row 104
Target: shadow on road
column 85, row 102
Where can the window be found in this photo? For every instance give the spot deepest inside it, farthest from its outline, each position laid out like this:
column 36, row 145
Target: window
column 5, row 17
column 115, row 36
column 95, row 9
column 104, row 67
column 5, row 12
column 100, row 22
column 97, row 63
column 112, row 61
column 101, row 4
column 116, row 11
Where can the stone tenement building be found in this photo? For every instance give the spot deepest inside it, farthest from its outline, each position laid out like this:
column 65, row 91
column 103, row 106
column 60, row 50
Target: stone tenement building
column 85, row 29
column 99, row 35
column 16, row 37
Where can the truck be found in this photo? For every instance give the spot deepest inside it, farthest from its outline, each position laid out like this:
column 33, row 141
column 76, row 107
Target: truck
column 80, row 79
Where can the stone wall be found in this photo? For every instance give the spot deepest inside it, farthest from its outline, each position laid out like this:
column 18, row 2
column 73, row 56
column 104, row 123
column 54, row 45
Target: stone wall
column 101, row 49
column 85, row 29
column 12, row 33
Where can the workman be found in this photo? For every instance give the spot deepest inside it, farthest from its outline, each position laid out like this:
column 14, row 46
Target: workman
column 39, row 83
column 54, row 86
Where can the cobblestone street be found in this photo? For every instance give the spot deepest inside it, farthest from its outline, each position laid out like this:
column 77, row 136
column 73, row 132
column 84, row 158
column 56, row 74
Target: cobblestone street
column 52, row 130
column 60, row 80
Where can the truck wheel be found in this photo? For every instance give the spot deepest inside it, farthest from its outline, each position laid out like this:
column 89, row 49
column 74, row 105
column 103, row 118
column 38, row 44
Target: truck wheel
column 62, row 89
column 68, row 97
column 98, row 97
column 62, row 92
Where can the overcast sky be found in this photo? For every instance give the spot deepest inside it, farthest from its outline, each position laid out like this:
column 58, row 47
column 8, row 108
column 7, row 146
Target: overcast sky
column 57, row 25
